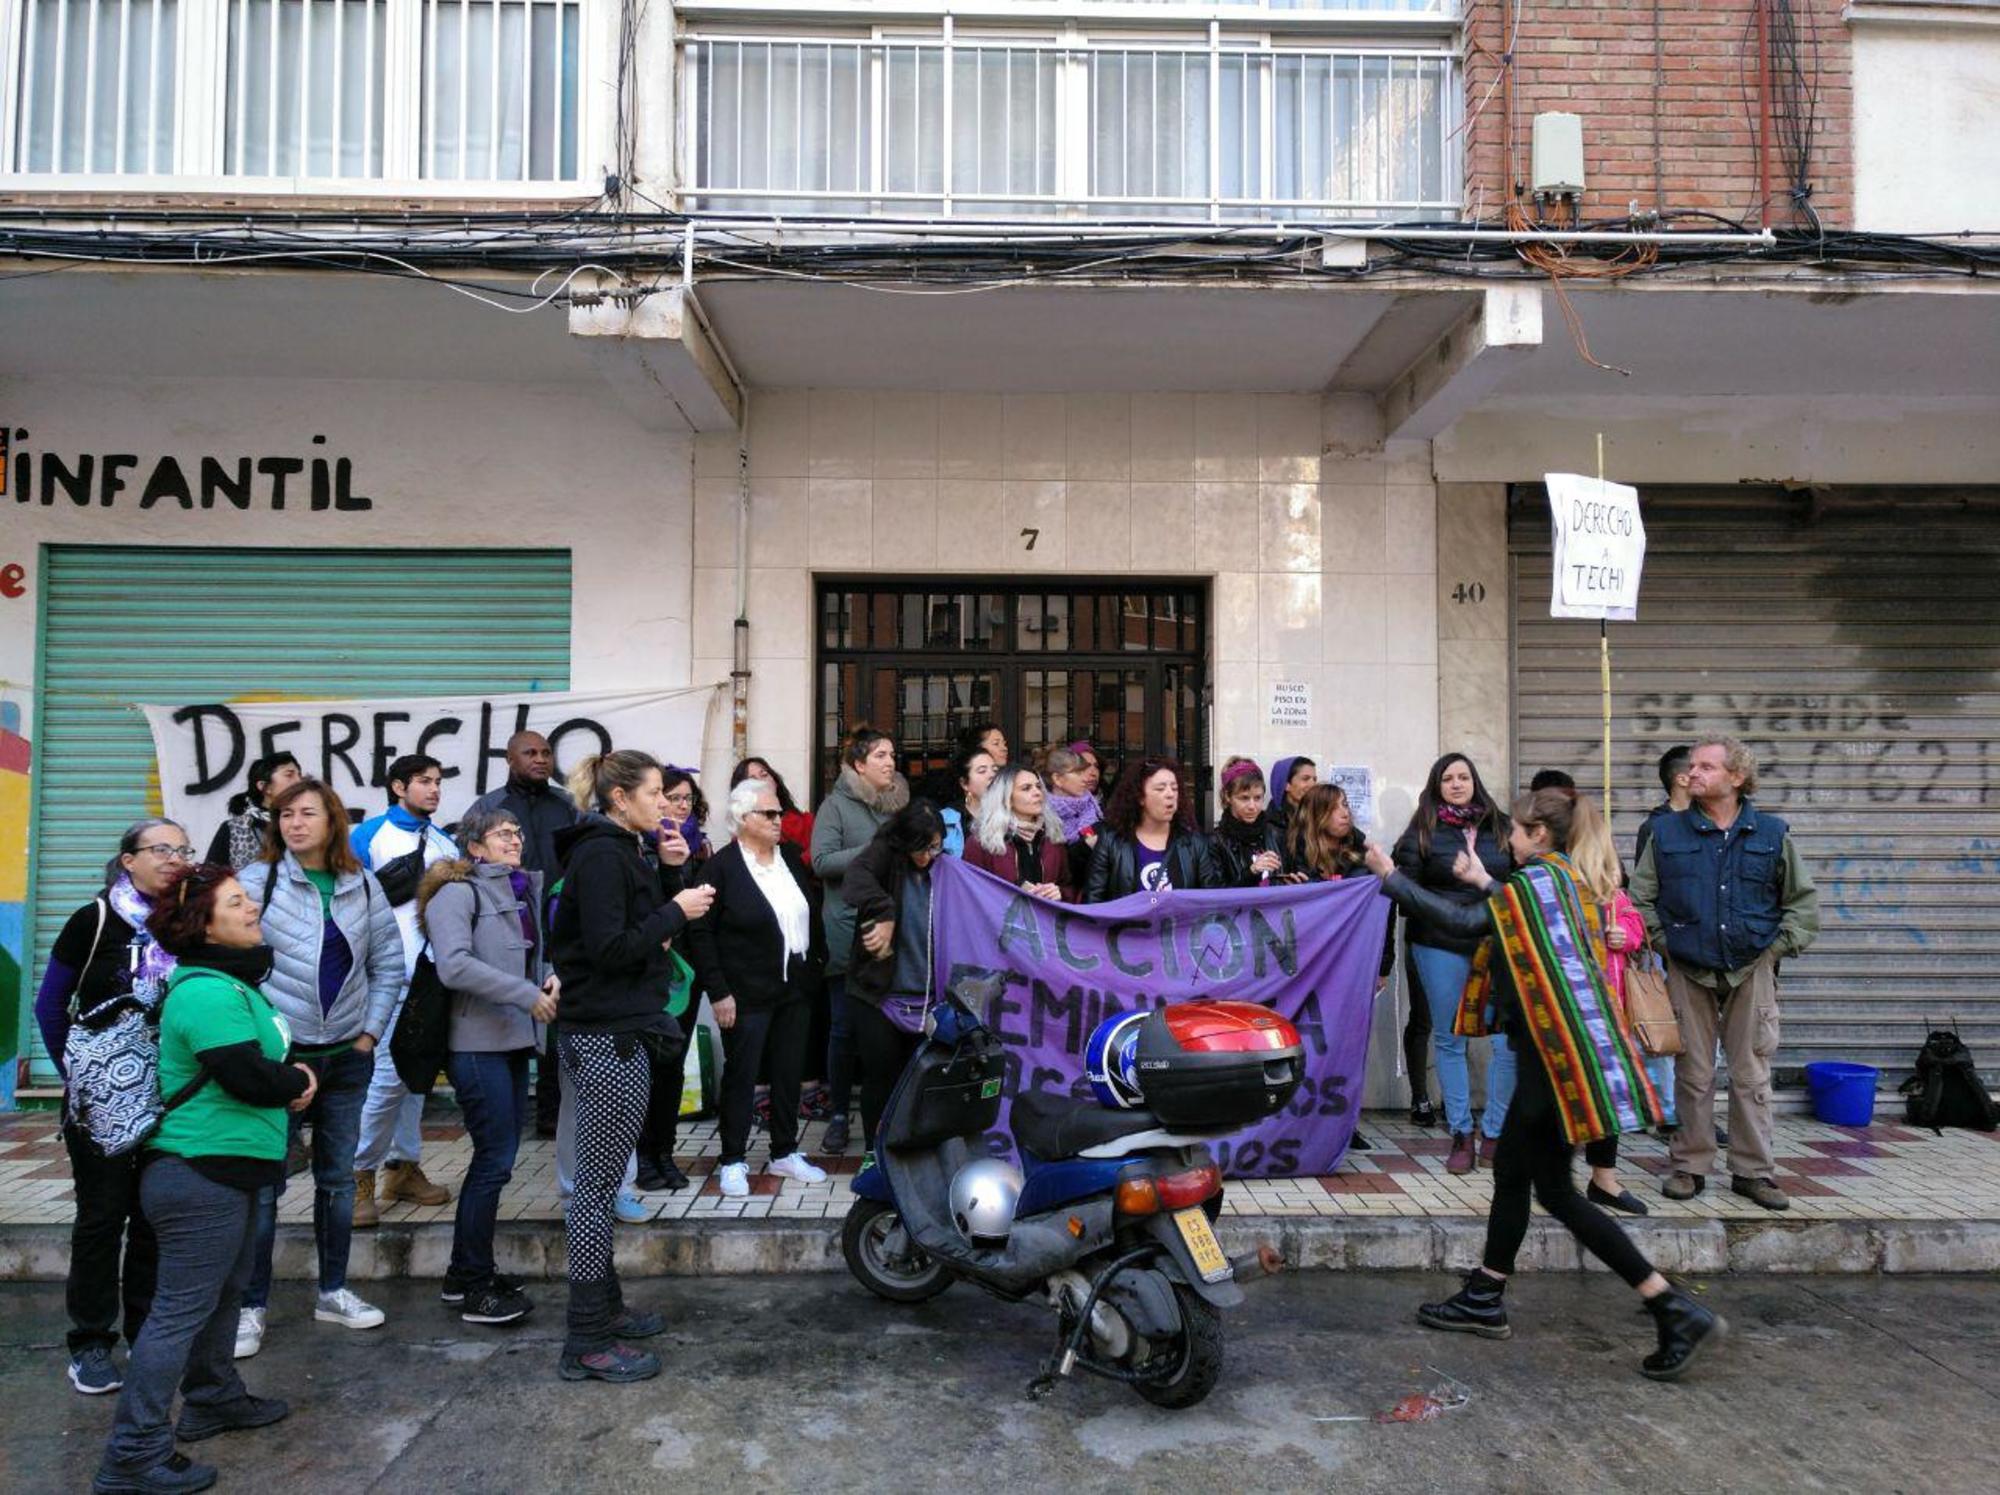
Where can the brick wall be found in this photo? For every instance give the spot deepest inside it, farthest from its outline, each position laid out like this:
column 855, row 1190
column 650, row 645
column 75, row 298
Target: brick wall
column 1597, row 60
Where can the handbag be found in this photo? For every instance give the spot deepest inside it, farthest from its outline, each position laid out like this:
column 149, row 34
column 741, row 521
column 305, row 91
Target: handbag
column 1648, row 1008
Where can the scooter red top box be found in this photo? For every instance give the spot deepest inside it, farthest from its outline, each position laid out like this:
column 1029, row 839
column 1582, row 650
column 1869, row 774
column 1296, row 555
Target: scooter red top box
column 1216, row 1063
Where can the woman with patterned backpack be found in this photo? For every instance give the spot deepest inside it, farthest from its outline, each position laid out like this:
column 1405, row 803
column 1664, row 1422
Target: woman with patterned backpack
column 105, row 960
column 1538, row 974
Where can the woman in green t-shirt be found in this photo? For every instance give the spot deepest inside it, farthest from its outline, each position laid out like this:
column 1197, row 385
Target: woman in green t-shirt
column 226, row 1087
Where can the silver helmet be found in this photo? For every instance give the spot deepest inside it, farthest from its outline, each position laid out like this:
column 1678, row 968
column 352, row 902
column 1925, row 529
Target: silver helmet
column 983, row 1196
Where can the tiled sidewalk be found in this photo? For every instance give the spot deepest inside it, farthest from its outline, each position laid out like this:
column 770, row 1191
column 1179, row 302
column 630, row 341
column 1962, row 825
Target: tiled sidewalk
column 1881, row 1172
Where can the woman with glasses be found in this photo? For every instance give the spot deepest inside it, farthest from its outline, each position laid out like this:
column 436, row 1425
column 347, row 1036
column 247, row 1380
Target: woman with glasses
column 889, row 888
column 486, row 939
column 104, row 962
column 759, row 956
column 683, row 851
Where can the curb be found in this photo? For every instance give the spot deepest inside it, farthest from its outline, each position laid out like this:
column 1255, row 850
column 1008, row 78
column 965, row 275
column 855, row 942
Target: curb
column 535, row 1249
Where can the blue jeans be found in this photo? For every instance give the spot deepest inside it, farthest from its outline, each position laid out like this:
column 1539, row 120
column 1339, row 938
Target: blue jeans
column 1442, row 974
column 492, row 1091
column 335, row 1114
column 1660, row 1070
column 392, row 1123
column 206, row 1239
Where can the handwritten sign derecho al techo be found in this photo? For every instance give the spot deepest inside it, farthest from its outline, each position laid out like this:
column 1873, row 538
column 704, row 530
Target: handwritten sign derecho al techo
column 1600, row 548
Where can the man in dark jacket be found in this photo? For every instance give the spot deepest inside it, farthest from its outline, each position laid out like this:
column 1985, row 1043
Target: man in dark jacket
column 1722, row 890
column 1674, row 779
column 542, row 808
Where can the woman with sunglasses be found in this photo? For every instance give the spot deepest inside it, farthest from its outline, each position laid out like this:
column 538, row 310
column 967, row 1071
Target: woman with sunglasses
column 104, row 961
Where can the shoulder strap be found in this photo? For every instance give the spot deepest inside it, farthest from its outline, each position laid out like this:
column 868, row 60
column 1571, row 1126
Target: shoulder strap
column 76, row 996
column 270, row 887
column 201, row 1075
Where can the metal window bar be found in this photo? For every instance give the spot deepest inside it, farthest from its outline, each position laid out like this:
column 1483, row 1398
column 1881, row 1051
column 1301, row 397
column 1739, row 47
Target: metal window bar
column 119, row 116
column 1372, row 125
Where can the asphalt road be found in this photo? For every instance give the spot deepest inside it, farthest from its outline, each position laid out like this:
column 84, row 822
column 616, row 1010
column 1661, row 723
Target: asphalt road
column 806, row 1383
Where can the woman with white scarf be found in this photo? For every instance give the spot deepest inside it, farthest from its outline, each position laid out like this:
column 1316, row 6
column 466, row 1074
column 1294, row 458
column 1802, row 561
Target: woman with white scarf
column 759, row 954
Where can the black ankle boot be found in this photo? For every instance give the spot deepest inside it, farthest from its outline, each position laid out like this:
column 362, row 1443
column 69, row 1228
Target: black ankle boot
column 1475, row 1308
column 1685, row 1326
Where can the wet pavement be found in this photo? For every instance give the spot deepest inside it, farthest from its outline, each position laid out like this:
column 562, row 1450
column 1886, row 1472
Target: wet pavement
column 806, row 1383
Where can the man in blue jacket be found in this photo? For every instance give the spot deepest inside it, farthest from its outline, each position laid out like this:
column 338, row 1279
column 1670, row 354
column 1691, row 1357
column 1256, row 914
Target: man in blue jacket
column 397, row 846
column 1723, row 892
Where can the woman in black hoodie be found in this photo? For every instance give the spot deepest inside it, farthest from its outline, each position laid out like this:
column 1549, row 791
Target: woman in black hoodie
column 609, row 942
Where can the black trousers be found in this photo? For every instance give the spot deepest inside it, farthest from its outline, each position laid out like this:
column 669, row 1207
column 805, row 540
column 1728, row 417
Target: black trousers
column 883, row 1050
column 1416, row 1035
column 773, row 1036
column 548, row 1088
column 113, row 1258
column 1534, row 1157
column 663, row 1106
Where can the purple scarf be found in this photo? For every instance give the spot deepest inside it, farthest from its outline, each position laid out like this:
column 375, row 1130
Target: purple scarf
column 149, row 976
column 1077, row 812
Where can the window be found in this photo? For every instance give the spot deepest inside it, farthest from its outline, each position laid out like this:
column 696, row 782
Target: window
column 95, row 84
column 328, row 90
column 1034, row 126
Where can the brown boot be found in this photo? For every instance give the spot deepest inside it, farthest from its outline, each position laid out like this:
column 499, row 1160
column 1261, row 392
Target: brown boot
column 406, row 1181
column 1462, row 1159
column 367, row 1214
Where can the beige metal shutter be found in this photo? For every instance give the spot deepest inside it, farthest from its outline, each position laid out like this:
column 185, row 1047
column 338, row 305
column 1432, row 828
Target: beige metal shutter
column 121, row 624
column 1852, row 639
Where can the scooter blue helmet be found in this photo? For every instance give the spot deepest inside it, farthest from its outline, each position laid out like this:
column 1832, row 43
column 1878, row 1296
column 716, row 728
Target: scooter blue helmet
column 1111, row 1061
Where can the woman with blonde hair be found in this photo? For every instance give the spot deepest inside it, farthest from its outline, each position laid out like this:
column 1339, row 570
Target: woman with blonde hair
column 1537, row 975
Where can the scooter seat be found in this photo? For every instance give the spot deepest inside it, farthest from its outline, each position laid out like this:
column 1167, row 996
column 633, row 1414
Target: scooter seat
column 1053, row 1127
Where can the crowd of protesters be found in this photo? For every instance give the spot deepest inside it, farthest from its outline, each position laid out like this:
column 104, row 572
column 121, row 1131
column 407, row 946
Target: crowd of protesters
column 576, row 927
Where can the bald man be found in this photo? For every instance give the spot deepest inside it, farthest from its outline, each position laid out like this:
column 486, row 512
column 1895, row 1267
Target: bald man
column 542, row 807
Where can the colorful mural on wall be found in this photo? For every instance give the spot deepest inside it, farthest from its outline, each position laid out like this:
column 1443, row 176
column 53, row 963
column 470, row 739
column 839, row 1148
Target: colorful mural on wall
column 14, row 759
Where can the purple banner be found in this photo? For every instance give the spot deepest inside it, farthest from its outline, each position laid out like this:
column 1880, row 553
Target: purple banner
column 1310, row 952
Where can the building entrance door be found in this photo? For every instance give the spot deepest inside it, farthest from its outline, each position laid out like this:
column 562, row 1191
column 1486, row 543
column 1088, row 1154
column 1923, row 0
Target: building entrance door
column 1123, row 666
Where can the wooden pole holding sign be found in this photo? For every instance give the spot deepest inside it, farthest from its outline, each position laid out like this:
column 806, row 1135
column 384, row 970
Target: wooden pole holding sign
column 1600, row 550
column 1604, row 664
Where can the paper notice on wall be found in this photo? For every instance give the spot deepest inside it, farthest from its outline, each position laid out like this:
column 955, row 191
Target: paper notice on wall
column 1291, row 704
column 1600, row 548
column 1359, row 783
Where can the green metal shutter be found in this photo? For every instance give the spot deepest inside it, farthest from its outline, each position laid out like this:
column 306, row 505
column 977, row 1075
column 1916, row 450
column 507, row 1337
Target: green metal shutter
column 122, row 624
column 1852, row 640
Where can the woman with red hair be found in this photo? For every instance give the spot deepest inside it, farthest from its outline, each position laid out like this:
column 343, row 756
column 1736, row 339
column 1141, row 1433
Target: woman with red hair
column 220, row 1140
column 1149, row 841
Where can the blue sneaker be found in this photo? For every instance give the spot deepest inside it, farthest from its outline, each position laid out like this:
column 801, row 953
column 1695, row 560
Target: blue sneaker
column 630, row 1208
column 94, row 1373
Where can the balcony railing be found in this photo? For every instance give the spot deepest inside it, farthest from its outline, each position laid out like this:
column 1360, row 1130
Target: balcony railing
column 334, row 93
column 807, row 125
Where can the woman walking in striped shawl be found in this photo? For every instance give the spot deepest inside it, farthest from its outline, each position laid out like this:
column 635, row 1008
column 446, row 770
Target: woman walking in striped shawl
column 1539, row 978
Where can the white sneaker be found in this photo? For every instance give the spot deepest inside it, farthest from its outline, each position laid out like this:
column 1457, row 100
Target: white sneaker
column 249, row 1332
column 797, row 1165
column 349, row 1311
column 734, row 1181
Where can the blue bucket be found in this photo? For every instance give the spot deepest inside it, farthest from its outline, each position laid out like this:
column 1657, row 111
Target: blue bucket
column 1842, row 1094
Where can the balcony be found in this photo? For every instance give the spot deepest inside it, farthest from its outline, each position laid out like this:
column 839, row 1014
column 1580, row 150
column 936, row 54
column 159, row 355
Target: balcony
column 439, row 98
column 1202, row 125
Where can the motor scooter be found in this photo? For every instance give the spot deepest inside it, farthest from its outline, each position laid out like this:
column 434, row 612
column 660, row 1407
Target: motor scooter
column 1113, row 1227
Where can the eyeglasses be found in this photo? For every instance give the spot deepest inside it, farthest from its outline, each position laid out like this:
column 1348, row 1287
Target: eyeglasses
column 173, row 853
column 683, row 800
column 774, row 816
column 505, row 833
column 933, row 851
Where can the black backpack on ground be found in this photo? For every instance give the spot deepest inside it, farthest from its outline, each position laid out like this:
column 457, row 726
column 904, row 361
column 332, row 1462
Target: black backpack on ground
column 1946, row 1089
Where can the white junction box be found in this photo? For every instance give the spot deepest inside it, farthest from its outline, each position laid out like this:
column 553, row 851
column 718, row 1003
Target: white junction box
column 1558, row 155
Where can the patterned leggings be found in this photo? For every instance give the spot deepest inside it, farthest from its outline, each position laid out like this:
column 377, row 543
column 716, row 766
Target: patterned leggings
column 610, row 1079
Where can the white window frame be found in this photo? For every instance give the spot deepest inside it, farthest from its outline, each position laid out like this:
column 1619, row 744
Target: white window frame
column 1074, row 41
column 201, row 62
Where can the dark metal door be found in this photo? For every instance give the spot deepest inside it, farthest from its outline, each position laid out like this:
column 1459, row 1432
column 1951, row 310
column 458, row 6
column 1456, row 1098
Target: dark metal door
column 1122, row 666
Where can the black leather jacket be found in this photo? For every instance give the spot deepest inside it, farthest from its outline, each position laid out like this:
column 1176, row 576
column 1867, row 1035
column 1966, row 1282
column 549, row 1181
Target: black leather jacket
column 1114, row 865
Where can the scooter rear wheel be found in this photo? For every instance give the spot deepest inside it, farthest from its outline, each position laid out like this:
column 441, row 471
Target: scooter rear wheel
column 884, row 1259
column 1201, row 1355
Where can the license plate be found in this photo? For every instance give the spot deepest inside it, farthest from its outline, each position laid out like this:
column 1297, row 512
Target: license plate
column 1202, row 1244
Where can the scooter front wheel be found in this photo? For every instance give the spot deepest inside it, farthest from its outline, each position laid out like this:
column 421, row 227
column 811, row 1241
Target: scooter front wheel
column 1200, row 1358
column 884, row 1259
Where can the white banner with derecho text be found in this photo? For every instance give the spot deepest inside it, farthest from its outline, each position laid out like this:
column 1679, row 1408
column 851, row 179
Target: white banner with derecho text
column 206, row 748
